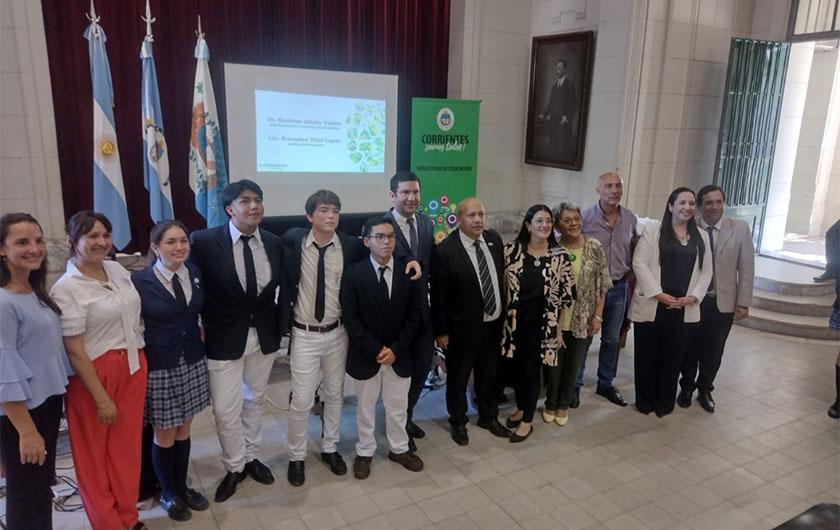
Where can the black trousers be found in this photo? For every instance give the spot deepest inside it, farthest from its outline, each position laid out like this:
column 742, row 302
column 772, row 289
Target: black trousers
column 705, row 347
column 659, row 350
column 527, row 365
column 28, row 486
column 481, row 358
column 422, row 351
column 832, row 250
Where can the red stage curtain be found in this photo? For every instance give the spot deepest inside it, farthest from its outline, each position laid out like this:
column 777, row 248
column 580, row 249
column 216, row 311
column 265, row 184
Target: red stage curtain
column 405, row 37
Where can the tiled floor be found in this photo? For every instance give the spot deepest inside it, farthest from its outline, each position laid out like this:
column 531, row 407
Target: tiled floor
column 768, row 453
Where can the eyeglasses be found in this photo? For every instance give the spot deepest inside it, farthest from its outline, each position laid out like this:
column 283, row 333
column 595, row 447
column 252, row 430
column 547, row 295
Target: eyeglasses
column 383, row 237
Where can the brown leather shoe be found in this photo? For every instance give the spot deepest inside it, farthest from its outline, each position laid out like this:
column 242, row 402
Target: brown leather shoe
column 361, row 467
column 408, row 460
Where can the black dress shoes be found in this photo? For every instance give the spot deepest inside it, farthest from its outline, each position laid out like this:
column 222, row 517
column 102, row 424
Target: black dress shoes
column 296, row 474
column 516, row 438
column 336, row 463
column 459, row 434
column 512, row 424
column 613, row 395
column 706, row 401
column 684, row 398
column 411, row 445
column 176, row 509
column 259, row 472
column 824, row 277
column 575, row 402
column 228, row 485
column 195, row 500
column 413, row 430
column 495, row 428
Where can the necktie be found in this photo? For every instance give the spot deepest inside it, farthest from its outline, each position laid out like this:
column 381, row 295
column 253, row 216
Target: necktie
column 711, row 230
column 180, row 297
column 320, row 294
column 250, row 271
column 484, row 279
column 412, row 232
column 383, row 285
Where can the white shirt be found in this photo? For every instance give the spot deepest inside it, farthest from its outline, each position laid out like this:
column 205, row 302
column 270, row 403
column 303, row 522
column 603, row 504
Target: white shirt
column 165, row 277
column 107, row 313
column 716, row 231
column 389, row 271
column 402, row 222
column 333, row 269
column 468, row 242
column 261, row 264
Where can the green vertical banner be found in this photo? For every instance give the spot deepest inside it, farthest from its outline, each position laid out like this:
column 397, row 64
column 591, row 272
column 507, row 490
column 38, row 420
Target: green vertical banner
column 444, row 154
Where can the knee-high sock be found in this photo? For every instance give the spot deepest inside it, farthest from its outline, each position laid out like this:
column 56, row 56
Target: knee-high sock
column 163, row 459
column 181, row 464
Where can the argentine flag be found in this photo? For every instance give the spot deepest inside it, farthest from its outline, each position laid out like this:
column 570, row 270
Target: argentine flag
column 208, row 176
column 108, row 190
column 155, row 150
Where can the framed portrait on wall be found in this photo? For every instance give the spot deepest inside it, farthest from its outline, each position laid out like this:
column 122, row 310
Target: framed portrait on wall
column 558, row 99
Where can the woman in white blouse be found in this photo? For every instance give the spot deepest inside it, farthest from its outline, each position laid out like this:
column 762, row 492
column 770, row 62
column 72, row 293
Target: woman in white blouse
column 104, row 403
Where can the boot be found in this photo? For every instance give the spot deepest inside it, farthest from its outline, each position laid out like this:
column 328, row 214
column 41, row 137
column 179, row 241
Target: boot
column 834, row 411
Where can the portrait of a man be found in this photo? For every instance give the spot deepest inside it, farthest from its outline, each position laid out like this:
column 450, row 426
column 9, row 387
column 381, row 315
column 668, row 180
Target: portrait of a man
column 558, row 100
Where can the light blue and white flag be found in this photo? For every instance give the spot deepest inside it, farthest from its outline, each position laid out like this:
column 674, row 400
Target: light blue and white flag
column 155, row 150
column 208, row 175
column 108, row 190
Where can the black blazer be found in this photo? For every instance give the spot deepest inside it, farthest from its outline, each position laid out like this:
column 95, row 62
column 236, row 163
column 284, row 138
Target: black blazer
column 171, row 331
column 425, row 247
column 353, row 251
column 373, row 321
column 227, row 313
column 457, row 304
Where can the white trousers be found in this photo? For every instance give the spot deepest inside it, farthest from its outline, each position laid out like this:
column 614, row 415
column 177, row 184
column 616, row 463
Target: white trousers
column 394, row 390
column 316, row 357
column 237, row 389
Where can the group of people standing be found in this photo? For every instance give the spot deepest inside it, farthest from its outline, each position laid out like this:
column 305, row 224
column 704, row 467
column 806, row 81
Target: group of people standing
column 372, row 307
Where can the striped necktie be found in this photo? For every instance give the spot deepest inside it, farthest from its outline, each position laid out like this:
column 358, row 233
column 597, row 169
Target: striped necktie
column 484, row 279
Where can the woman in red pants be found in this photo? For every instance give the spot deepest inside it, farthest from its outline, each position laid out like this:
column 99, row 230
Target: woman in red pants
column 100, row 319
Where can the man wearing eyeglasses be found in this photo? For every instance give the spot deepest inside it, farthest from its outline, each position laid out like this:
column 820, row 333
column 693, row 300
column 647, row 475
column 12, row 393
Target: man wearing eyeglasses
column 314, row 261
column 414, row 241
column 381, row 309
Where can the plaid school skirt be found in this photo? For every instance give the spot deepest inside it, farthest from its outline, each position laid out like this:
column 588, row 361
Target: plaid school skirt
column 174, row 395
column 834, row 321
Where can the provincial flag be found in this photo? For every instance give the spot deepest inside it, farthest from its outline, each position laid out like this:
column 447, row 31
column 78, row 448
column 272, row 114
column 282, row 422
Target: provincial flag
column 208, row 176
column 155, row 150
column 108, row 190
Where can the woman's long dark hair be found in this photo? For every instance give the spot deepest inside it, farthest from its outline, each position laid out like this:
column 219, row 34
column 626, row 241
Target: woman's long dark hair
column 37, row 278
column 666, row 231
column 157, row 234
column 524, row 236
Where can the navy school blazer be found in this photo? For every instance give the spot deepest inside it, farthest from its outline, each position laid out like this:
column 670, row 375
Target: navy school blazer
column 170, row 331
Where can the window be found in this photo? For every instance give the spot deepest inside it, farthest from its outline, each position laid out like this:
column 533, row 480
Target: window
column 814, row 20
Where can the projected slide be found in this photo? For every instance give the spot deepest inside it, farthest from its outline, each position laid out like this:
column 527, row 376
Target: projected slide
column 311, row 133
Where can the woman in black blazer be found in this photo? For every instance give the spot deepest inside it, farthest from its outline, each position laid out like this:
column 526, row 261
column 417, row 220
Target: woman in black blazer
column 171, row 293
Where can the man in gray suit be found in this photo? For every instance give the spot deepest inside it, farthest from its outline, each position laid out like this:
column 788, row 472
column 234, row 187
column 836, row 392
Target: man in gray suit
column 730, row 293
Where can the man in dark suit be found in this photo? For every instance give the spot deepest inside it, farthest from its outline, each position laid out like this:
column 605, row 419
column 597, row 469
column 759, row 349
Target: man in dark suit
column 467, row 302
column 381, row 308
column 240, row 264
column 560, row 111
column 415, row 241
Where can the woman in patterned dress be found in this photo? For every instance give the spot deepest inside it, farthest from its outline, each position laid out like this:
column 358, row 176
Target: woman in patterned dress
column 171, row 295
column 539, row 281
column 583, row 319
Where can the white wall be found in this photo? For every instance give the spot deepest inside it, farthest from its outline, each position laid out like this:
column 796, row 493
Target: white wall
column 686, row 52
column 29, row 175
column 489, row 54
column 815, row 150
